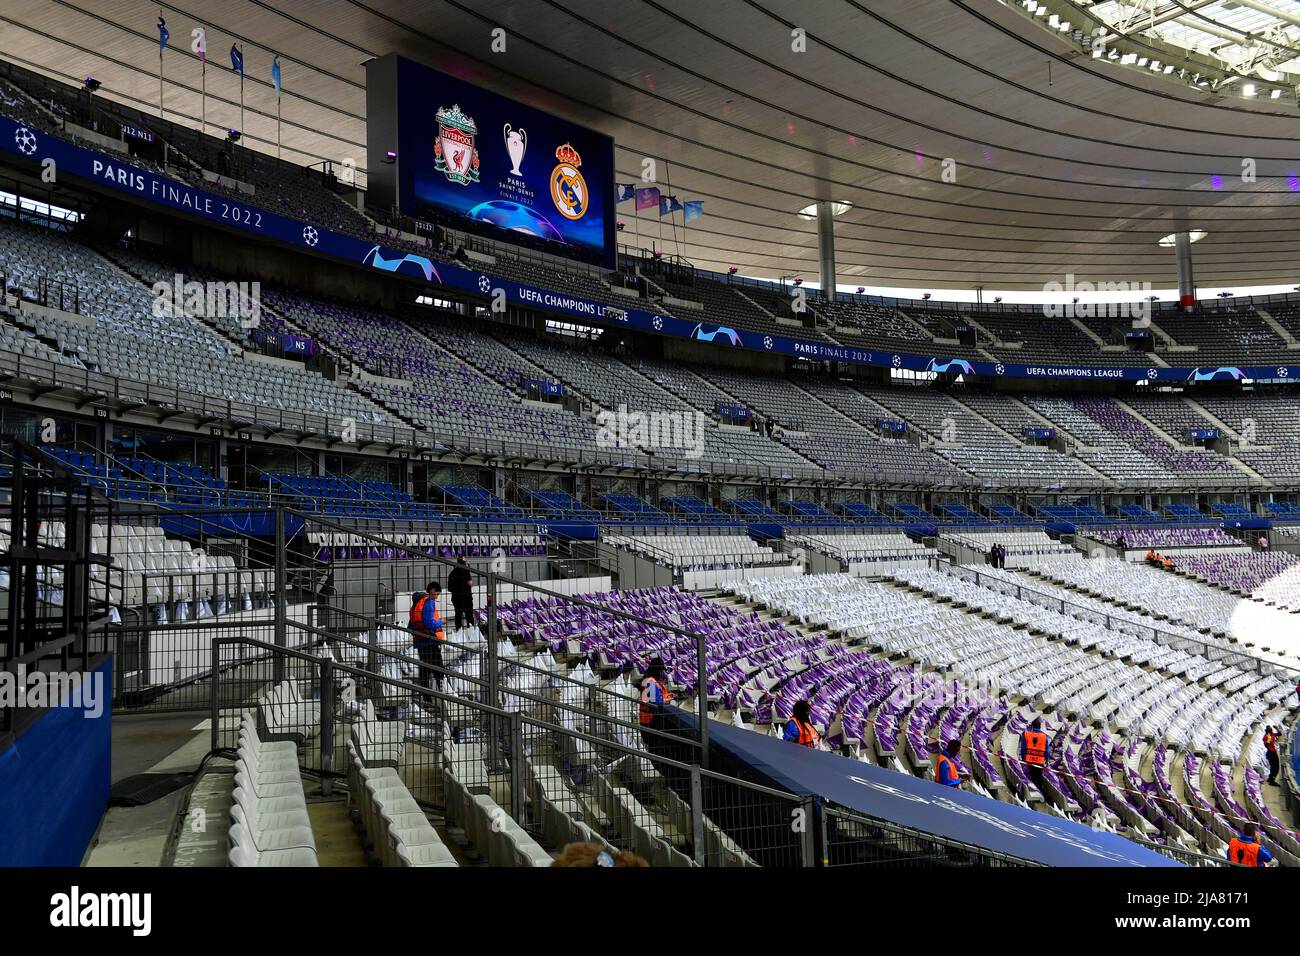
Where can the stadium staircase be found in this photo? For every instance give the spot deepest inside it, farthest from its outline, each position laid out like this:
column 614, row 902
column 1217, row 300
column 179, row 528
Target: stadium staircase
column 1170, row 440
column 1292, row 343
column 1096, row 339
column 1171, row 343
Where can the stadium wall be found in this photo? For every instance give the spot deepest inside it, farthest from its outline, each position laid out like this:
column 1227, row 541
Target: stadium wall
column 54, row 782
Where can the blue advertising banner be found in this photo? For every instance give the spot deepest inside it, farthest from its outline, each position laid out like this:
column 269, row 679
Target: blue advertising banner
column 1203, row 434
column 892, row 426
column 737, row 413
column 119, row 175
column 1040, row 434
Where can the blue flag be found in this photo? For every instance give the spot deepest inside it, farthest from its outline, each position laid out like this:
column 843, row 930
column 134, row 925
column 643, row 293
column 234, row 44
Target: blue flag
column 236, row 60
column 668, row 204
column 694, row 209
column 275, row 73
column 163, row 35
column 625, row 191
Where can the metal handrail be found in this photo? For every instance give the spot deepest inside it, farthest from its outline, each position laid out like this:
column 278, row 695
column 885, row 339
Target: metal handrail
column 495, row 579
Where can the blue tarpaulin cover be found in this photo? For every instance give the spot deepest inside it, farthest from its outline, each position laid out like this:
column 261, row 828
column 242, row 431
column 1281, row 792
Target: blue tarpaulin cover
column 922, row 805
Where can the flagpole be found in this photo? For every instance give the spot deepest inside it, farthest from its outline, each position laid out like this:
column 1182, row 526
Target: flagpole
column 163, row 34
column 241, row 91
column 276, row 80
column 203, row 98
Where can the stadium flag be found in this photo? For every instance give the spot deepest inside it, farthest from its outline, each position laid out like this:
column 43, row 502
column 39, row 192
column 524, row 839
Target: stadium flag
column 647, row 197
column 668, row 204
column 237, row 63
column 694, row 209
column 163, row 36
column 275, row 79
column 625, row 191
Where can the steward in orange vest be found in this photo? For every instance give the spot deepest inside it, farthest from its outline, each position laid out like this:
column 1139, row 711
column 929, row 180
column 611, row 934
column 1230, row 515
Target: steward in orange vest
column 653, row 692
column 1034, row 748
column 799, row 728
column 1244, row 848
column 945, row 768
column 423, row 621
column 1270, row 751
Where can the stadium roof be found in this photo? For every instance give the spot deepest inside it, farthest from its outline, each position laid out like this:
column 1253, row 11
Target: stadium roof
column 1254, row 37
column 1058, row 162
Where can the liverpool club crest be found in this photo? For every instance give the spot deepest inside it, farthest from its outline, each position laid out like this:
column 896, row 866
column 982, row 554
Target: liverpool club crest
column 453, row 151
column 568, row 188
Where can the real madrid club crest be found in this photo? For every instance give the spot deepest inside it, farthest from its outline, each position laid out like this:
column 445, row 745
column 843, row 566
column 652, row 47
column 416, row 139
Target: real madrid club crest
column 568, row 188
column 453, row 151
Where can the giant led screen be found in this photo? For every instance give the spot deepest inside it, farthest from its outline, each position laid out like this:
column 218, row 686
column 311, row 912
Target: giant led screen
column 466, row 153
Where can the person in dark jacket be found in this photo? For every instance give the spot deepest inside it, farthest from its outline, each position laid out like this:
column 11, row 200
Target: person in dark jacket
column 459, row 583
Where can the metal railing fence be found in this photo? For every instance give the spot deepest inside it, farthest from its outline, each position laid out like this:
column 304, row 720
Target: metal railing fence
column 483, row 768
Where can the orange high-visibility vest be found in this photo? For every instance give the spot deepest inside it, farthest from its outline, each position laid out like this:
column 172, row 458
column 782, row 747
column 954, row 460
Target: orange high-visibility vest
column 1270, row 740
column 945, row 771
column 1244, row 852
column 647, row 714
column 415, row 620
column 808, row 735
column 1035, row 747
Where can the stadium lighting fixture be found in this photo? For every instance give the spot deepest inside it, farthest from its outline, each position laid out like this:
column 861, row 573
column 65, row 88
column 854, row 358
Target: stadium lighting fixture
column 233, row 136
column 733, row 270
column 1168, row 242
column 1248, row 89
column 390, row 157
column 862, row 289
column 1276, row 94
column 91, row 84
column 926, row 296
column 838, row 208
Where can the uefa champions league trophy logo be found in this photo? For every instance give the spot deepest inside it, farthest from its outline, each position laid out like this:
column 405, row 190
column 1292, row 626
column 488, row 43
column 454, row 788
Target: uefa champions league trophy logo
column 516, row 146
